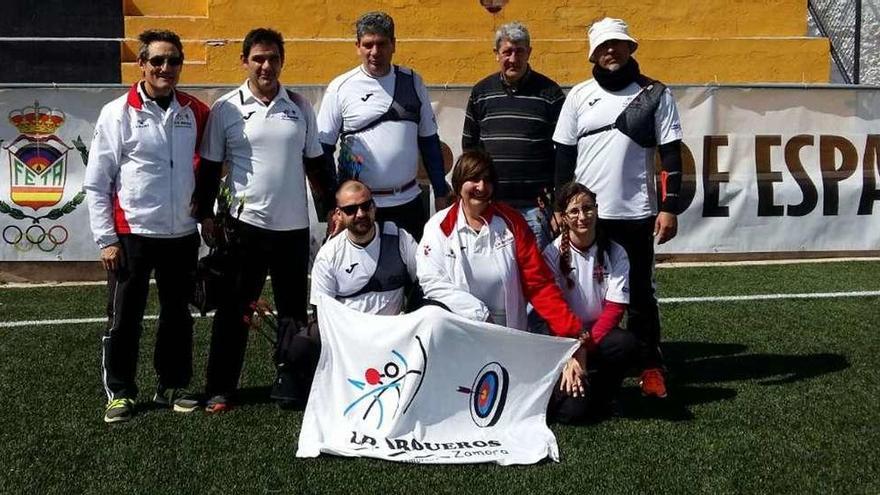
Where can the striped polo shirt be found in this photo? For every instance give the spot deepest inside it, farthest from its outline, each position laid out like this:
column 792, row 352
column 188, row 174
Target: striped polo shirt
column 515, row 125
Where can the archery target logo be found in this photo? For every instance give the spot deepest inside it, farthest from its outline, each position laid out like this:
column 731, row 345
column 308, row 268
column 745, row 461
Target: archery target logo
column 487, row 395
column 381, row 390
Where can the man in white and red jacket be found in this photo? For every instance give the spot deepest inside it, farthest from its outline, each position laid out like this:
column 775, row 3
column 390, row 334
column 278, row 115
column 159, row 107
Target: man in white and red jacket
column 139, row 184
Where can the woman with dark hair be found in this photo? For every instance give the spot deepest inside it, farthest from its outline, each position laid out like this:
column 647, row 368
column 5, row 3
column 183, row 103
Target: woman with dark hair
column 479, row 257
column 593, row 273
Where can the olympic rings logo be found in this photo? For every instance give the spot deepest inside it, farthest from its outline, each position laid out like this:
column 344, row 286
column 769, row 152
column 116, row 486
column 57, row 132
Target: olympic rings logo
column 35, row 236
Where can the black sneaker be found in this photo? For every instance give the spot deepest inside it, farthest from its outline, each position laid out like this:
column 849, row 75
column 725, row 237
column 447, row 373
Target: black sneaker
column 179, row 399
column 287, row 388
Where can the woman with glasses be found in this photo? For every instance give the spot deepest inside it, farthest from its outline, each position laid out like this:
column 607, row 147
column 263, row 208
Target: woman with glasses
column 593, row 273
column 479, row 257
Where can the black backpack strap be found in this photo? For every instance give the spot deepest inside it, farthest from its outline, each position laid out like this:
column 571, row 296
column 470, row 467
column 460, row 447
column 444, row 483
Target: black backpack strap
column 405, row 105
column 391, row 272
column 636, row 121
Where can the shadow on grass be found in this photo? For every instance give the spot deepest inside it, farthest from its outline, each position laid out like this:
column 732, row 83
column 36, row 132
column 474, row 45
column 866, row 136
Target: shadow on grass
column 250, row 396
column 695, row 363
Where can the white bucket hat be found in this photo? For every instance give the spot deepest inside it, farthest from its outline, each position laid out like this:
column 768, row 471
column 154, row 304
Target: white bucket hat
column 609, row 29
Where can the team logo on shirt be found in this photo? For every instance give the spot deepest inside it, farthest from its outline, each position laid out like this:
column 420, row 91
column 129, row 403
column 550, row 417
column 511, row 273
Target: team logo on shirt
column 183, row 120
column 37, row 178
column 504, row 240
column 288, row 114
column 384, row 387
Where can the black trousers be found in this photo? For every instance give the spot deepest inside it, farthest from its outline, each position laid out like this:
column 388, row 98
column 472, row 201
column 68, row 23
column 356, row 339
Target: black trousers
column 643, row 316
column 256, row 252
column 410, row 217
column 607, row 365
column 174, row 262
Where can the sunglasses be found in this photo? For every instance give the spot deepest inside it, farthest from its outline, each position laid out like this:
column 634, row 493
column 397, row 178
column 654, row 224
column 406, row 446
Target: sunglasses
column 159, row 61
column 353, row 209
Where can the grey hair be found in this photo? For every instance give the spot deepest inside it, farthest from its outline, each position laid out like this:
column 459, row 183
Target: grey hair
column 375, row 23
column 515, row 32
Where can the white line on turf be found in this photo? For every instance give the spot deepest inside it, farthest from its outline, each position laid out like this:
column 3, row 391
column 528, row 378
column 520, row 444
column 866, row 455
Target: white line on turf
column 73, row 321
column 663, row 300
column 764, row 297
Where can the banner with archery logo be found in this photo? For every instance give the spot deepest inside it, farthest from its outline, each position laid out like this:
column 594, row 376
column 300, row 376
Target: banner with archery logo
column 430, row 387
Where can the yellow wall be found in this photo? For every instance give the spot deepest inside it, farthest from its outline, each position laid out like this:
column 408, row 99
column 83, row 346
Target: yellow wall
column 450, row 41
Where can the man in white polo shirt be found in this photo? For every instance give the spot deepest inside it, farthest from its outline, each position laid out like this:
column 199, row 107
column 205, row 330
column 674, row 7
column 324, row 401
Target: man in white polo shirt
column 381, row 115
column 268, row 137
column 607, row 133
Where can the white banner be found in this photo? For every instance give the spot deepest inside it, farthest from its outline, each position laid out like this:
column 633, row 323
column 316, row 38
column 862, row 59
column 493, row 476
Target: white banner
column 430, row 387
column 766, row 169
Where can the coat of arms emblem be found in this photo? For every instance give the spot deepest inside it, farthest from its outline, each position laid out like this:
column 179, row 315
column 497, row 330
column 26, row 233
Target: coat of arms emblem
column 37, row 175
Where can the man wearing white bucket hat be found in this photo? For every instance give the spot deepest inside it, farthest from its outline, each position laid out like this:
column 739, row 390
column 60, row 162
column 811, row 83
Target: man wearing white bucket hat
column 606, row 138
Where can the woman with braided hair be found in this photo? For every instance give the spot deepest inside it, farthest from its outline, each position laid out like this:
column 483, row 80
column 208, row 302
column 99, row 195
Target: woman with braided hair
column 593, row 273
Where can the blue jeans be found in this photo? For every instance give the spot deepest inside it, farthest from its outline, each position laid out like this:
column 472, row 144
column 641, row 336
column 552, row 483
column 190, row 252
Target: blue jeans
column 539, row 222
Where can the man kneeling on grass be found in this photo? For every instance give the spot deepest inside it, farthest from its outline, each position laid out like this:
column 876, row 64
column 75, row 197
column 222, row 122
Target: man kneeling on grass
column 366, row 266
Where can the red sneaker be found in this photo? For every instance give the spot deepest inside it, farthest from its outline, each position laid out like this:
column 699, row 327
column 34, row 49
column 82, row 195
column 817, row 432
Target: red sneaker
column 653, row 384
column 218, row 404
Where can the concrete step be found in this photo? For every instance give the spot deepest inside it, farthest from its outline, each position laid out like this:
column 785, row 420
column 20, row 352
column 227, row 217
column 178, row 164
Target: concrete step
column 187, row 27
column 193, row 72
column 194, row 51
column 165, row 8
column 699, row 61
column 553, row 19
column 468, row 20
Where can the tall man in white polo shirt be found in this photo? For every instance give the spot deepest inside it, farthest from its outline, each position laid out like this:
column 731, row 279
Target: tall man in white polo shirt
column 606, row 137
column 268, row 137
column 139, row 183
column 381, row 115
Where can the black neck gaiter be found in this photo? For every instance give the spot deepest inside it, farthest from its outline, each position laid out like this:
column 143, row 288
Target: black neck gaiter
column 619, row 79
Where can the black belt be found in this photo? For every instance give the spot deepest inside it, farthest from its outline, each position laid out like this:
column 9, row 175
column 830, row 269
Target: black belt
column 394, row 190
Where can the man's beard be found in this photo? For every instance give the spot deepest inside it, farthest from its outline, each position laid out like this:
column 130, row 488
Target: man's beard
column 360, row 228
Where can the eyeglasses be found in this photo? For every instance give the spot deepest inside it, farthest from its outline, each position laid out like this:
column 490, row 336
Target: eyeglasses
column 159, row 61
column 588, row 211
column 349, row 210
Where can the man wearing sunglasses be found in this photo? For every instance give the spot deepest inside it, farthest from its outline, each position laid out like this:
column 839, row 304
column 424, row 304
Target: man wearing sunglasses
column 139, row 183
column 268, row 137
column 365, row 265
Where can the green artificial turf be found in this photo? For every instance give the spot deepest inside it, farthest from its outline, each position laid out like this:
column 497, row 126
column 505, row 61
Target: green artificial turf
column 765, row 396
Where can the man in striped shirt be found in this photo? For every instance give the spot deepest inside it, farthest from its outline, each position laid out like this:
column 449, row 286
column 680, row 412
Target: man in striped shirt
column 511, row 115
